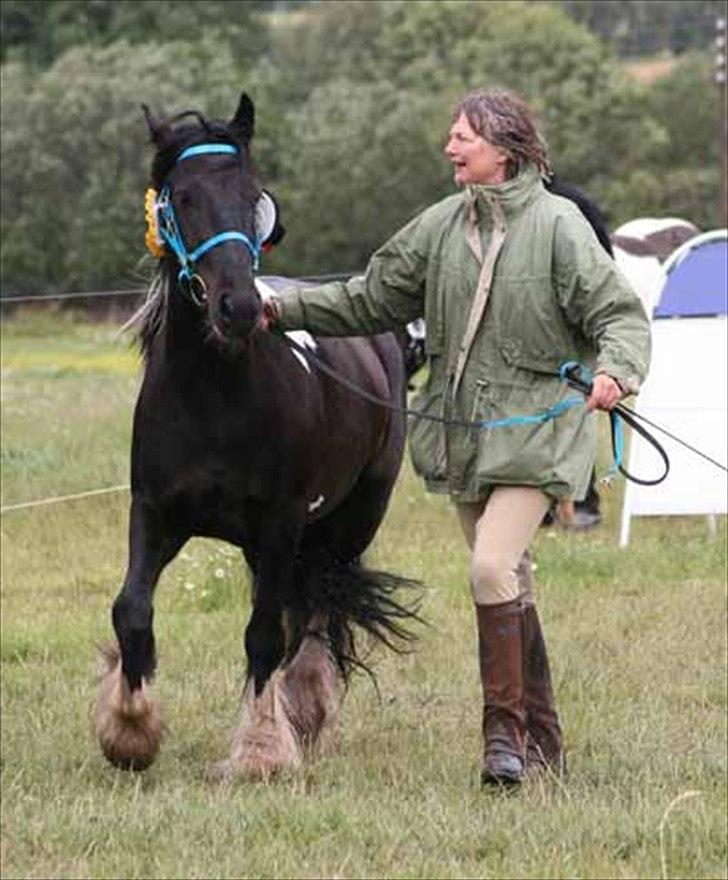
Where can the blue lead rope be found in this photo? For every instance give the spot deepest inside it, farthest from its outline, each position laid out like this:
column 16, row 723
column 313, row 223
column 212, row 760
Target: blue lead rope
column 615, row 423
column 552, row 412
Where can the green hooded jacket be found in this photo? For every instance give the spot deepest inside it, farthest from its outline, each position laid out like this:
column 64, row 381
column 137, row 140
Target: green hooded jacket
column 512, row 283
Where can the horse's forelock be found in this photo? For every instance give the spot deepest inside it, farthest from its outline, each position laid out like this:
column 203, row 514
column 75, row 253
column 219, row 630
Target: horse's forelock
column 177, row 137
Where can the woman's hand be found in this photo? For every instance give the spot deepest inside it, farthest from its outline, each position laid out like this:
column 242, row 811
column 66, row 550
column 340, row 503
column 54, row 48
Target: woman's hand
column 270, row 313
column 605, row 393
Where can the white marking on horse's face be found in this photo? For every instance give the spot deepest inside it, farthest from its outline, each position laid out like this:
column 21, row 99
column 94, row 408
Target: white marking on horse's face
column 314, row 505
column 302, row 337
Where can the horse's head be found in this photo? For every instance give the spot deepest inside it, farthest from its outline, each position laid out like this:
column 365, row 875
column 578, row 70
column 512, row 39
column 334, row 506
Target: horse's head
column 211, row 216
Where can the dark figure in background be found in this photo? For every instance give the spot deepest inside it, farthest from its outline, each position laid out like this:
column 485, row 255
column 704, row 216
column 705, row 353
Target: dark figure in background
column 587, row 514
column 560, row 187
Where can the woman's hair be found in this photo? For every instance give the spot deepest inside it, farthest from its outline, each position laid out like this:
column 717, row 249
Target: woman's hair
column 505, row 120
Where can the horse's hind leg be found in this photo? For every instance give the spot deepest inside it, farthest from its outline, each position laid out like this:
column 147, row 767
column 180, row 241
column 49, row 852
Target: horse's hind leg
column 345, row 593
column 312, row 686
column 125, row 717
column 349, row 529
column 293, row 716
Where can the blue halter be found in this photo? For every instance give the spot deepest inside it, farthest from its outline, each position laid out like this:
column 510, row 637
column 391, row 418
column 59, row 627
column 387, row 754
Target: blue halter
column 169, row 227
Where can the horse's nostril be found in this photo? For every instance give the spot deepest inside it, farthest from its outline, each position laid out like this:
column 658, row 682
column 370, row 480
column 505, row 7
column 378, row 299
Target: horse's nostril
column 237, row 312
column 226, row 307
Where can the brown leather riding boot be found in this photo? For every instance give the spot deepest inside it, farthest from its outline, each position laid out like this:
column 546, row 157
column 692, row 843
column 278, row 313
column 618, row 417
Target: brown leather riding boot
column 544, row 743
column 500, row 640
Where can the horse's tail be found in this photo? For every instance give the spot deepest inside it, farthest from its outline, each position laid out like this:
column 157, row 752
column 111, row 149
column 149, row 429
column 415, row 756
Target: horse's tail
column 351, row 596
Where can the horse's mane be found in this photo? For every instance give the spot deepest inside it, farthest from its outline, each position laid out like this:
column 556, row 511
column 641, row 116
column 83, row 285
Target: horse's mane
column 149, row 319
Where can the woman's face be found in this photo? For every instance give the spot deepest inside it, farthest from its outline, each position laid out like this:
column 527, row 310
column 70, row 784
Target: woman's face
column 476, row 161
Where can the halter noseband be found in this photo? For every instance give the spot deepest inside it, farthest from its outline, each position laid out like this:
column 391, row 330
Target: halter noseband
column 170, row 231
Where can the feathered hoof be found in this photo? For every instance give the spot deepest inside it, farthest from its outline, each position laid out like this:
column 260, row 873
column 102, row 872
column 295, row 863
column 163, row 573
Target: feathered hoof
column 265, row 745
column 261, row 763
column 313, row 695
column 128, row 725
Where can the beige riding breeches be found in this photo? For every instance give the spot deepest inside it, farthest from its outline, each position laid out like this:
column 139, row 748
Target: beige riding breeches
column 498, row 532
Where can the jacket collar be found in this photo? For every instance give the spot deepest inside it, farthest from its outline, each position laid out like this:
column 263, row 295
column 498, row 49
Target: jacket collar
column 511, row 196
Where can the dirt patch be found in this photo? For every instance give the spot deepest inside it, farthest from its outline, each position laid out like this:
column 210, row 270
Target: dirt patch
column 647, row 72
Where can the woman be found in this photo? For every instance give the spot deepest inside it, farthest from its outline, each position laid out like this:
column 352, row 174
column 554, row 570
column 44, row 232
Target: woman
column 512, row 283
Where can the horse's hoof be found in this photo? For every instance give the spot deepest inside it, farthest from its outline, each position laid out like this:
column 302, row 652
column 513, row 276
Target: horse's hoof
column 130, row 757
column 128, row 724
column 265, row 744
column 262, row 765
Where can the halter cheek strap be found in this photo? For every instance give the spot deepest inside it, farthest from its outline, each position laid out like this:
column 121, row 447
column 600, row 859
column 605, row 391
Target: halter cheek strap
column 169, row 227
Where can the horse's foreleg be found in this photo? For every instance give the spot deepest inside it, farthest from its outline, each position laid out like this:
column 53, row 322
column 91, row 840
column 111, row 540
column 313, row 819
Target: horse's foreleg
column 264, row 636
column 279, row 537
column 126, row 718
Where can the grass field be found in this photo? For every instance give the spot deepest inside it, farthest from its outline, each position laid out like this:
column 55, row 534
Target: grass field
column 637, row 640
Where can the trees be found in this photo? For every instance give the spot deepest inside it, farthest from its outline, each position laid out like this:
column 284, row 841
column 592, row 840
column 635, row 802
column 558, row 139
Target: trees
column 354, row 101
column 40, row 31
column 430, row 52
column 75, row 156
column 685, row 169
column 361, row 159
column 644, row 27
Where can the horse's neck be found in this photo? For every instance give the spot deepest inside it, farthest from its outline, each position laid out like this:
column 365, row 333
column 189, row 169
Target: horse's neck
column 188, row 355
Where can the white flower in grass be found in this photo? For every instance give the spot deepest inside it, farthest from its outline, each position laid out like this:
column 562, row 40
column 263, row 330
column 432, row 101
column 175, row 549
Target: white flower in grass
column 189, row 585
column 219, row 573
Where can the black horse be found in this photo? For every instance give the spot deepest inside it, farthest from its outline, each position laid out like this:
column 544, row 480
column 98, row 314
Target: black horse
column 237, row 437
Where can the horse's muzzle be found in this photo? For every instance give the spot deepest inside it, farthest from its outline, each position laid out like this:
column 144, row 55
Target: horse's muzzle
column 237, row 313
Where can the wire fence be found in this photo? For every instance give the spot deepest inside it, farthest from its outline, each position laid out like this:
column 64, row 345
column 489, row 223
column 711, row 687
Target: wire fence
column 57, row 499
column 12, row 299
column 50, row 297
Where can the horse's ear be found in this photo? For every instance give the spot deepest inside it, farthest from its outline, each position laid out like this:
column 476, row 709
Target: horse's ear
column 156, row 128
column 243, row 123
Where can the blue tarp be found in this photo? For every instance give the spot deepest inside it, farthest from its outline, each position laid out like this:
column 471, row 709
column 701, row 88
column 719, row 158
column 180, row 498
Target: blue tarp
column 698, row 284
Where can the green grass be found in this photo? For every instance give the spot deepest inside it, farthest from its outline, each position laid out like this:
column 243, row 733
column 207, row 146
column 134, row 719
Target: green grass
column 637, row 641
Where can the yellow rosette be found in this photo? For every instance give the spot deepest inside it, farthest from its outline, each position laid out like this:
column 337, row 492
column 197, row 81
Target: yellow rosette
column 152, row 238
